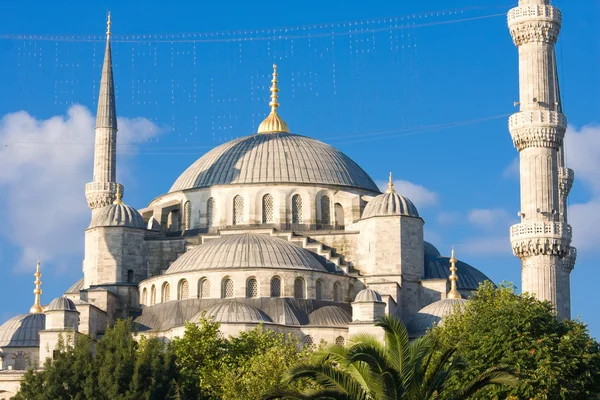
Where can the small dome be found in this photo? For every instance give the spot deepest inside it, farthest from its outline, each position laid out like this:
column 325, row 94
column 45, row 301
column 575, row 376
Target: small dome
column 438, row 267
column 329, row 316
column 117, row 215
column 76, row 288
column 387, row 204
column 233, row 312
column 432, row 315
column 61, row 304
column 22, row 331
column 367, row 296
column 247, row 250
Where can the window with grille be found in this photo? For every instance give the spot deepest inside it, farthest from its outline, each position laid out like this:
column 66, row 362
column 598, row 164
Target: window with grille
column 340, row 341
column 325, row 214
column 210, row 212
column 153, row 295
column 319, row 290
column 297, row 217
column 204, row 289
column 238, row 210
column 276, row 287
column 267, row 209
column 252, row 288
column 166, row 293
column 20, row 362
column 336, row 291
column 308, row 340
column 184, row 290
column 187, row 216
column 227, row 288
column 299, row 288
column 145, row 297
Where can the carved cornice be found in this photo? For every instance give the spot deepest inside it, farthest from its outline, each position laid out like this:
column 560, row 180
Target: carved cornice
column 537, row 128
column 566, row 176
column 535, row 23
column 101, row 194
column 540, row 238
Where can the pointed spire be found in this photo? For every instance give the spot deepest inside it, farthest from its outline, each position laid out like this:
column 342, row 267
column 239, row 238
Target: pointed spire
column 119, row 199
column 390, row 188
column 453, row 293
column 106, row 116
column 273, row 123
column 37, row 308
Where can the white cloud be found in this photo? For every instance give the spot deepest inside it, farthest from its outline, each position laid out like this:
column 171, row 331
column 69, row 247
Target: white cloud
column 418, row 194
column 446, row 218
column 44, row 165
column 488, row 218
column 512, row 171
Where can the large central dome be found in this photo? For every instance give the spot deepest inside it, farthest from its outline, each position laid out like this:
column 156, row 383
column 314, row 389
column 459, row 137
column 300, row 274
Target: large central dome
column 274, row 158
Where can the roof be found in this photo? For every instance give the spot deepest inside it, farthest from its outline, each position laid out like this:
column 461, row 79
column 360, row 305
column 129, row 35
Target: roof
column 61, row 304
column 106, row 117
column 432, row 315
column 117, row 215
column 233, row 312
column 387, row 204
column 247, row 250
column 22, row 331
column 76, row 288
column 274, row 158
column 329, row 316
column 367, row 296
column 438, row 267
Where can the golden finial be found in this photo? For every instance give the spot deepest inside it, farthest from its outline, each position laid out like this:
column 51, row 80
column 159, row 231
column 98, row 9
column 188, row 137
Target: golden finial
column 108, row 27
column 273, row 123
column 390, row 188
column 37, row 308
column 119, row 199
column 453, row 293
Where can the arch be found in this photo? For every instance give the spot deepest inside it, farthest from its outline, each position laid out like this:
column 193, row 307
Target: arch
column 339, row 215
column 268, row 211
column 336, row 291
column 130, row 276
column 319, row 289
column 153, row 295
column 239, row 216
column 203, row 288
column 227, row 288
column 308, row 340
column 166, row 293
column 174, row 221
column 325, row 210
column 251, row 288
column 299, row 288
column 210, row 212
column 350, row 292
column 145, row 296
column 187, row 215
column 297, row 214
column 275, row 286
column 183, row 290
column 340, row 341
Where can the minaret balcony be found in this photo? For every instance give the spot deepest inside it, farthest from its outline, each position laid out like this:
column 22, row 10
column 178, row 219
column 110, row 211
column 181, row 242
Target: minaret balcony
column 537, row 128
column 526, row 230
column 566, row 176
column 534, row 24
column 101, row 194
column 540, row 238
column 534, row 12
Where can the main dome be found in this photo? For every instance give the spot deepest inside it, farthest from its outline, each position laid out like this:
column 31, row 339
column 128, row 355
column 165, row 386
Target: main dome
column 274, row 158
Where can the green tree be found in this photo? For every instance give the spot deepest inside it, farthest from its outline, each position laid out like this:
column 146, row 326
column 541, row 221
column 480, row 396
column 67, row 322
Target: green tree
column 554, row 359
column 154, row 373
column 396, row 369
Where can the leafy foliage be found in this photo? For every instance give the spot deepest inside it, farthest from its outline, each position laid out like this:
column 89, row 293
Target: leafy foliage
column 554, row 359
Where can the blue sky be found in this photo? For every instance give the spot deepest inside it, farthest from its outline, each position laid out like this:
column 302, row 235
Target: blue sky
column 405, row 88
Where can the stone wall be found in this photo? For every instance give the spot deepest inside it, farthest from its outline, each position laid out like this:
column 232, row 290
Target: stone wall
column 161, row 253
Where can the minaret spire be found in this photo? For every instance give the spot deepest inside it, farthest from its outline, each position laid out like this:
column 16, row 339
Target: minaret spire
column 453, row 293
column 102, row 191
column 273, row 123
column 37, row 308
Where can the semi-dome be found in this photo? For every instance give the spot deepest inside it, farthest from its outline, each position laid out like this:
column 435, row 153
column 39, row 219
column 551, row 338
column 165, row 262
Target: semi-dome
column 329, row 316
column 437, row 267
column 279, row 157
column 233, row 312
column 61, row 304
column 22, row 331
column 247, row 250
column 367, row 295
column 76, row 288
column 117, row 214
column 432, row 315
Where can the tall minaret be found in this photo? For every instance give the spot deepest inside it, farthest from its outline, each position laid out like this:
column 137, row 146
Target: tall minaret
column 102, row 191
column 543, row 238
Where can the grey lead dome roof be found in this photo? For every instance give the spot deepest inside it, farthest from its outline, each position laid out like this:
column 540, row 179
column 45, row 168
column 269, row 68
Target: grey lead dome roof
column 390, row 204
column 247, row 250
column 432, row 315
column 61, row 304
column 233, row 311
column 367, row 295
column 22, row 331
column 118, row 215
column 329, row 316
column 274, row 158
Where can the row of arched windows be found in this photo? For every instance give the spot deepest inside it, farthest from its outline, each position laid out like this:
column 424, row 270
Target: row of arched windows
column 309, row 341
column 227, row 290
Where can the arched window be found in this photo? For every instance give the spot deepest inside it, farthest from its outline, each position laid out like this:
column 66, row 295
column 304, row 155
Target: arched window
column 187, row 216
column 20, row 362
column 239, row 217
column 299, row 291
column 203, row 288
column 276, row 286
column 325, row 214
column 336, row 291
column 166, row 292
column 267, row 209
column 340, row 341
column 145, row 297
column 339, row 214
column 183, row 292
column 351, row 292
column 251, row 288
column 153, row 295
column 227, row 289
column 297, row 216
column 173, row 223
column 308, row 340
column 210, row 212
column 130, row 276
column 319, row 290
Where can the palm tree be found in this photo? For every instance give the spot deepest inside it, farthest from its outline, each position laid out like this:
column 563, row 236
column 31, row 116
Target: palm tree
column 396, row 369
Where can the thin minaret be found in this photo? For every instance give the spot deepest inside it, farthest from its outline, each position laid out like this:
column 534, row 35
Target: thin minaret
column 453, row 293
column 273, row 123
column 37, row 308
column 102, row 191
column 542, row 241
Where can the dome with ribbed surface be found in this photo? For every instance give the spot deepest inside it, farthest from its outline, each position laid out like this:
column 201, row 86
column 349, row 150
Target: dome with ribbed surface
column 61, row 304
column 329, row 316
column 22, row 331
column 438, row 267
column 233, row 311
column 367, row 296
column 274, row 158
column 76, row 288
column 117, row 215
column 432, row 315
column 390, row 204
column 430, row 250
column 247, row 250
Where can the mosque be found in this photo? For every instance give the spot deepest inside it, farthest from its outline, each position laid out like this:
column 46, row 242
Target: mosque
column 280, row 229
